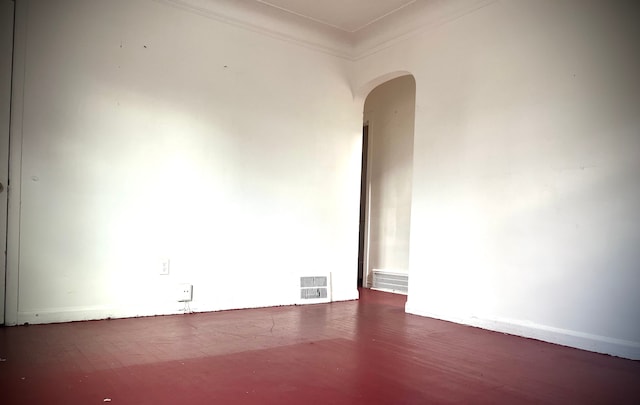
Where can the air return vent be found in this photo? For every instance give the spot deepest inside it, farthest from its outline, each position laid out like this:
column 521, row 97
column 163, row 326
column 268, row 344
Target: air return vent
column 391, row 281
column 314, row 288
column 312, row 293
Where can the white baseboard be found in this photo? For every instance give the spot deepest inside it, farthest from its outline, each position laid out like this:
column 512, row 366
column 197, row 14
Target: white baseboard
column 580, row 340
column 73, row 314
column 58, row 315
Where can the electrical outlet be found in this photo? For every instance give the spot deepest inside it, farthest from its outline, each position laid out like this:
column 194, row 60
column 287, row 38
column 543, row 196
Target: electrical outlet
column 184, row 292
column 164, row 270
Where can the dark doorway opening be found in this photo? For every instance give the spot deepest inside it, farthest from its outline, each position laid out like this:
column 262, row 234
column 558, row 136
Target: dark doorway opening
column 363, row 206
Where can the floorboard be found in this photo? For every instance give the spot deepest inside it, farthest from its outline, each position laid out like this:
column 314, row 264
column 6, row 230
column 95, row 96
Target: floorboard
column 359, row 352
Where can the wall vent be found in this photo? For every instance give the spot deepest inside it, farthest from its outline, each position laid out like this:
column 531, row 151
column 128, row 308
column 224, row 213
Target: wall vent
column 390, row 281
column 313, row 293
column 314, row 287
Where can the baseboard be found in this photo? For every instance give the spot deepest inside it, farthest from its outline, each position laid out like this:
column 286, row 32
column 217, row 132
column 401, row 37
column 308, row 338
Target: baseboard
column 58, row 315
column 73, row 314
column 579, row 340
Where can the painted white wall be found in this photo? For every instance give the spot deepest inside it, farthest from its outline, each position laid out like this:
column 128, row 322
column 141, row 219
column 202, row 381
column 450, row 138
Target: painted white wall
column 526, row 161
column 389, row 111
column 150, row 132
column 524, row 194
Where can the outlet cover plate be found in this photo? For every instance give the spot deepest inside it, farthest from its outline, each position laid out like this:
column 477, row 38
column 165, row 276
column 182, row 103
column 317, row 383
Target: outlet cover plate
column 165, row 264
column 184, row 292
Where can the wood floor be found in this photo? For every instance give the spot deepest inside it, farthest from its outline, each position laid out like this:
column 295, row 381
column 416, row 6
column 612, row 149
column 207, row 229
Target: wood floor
column 359, row 352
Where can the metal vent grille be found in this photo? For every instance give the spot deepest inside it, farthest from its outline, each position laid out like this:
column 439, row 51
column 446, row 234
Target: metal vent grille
column 320, row 281
column 390, row 281
column 313, row 293
column 314, row 287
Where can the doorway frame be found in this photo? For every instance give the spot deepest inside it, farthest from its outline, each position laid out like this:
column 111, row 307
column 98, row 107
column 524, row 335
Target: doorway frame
column 363, row 231
column 12, row 267
column 360, row 96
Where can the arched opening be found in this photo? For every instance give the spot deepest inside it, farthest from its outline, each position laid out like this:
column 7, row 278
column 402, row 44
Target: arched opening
column 387, row 170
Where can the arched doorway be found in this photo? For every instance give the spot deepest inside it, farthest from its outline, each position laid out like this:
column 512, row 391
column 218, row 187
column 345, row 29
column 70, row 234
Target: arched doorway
column 387, row 170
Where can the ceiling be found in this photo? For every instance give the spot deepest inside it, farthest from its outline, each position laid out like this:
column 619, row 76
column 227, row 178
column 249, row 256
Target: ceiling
column 346, row 15
column 350, row 29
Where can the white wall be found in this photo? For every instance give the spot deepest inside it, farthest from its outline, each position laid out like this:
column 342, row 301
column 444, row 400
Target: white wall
column 389, row 112
column 149, row 132
column 524, row 195
column 526, row 161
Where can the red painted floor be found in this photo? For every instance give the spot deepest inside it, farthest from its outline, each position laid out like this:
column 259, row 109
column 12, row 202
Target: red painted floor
column 359, row 352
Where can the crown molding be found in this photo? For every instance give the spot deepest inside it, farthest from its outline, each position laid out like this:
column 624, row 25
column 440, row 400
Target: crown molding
column 274, row 22
column 270, row 21
column 415, row 19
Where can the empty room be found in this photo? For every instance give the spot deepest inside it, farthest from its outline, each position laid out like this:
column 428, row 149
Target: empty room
column 342, row 202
